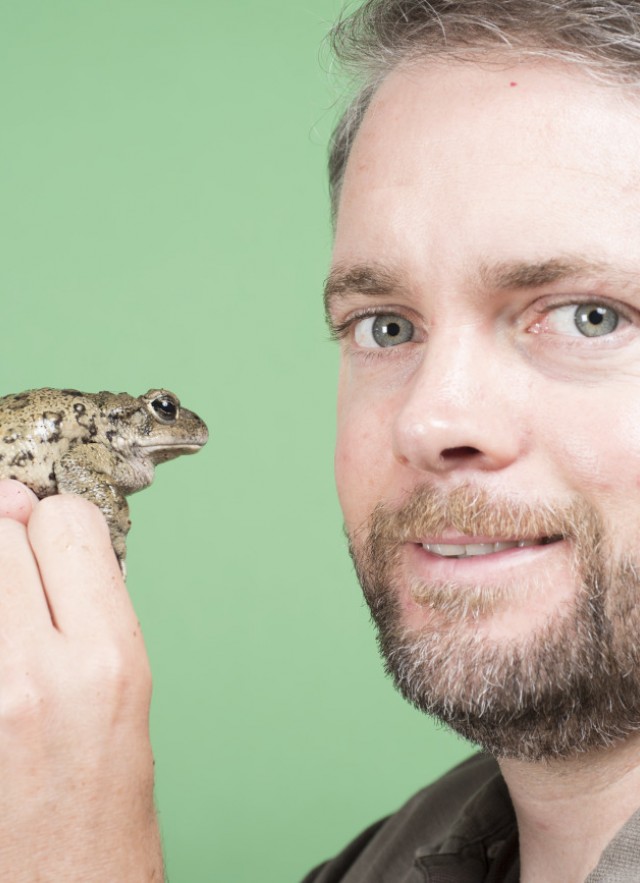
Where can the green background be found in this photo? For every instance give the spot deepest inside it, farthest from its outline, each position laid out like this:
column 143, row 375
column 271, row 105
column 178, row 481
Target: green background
column 165, row 223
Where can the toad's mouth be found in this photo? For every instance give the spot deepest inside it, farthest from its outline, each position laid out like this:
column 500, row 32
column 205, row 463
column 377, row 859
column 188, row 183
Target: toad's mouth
column 174, row 447
column 473, row 550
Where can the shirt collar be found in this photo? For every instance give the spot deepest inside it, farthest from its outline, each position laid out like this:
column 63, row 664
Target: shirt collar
column 483, row 838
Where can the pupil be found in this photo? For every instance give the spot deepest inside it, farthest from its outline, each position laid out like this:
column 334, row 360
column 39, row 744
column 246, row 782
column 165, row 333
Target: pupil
column 393, row 329
column 596, row 317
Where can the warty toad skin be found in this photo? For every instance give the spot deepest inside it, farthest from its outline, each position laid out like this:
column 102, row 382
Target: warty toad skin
column 102, row 446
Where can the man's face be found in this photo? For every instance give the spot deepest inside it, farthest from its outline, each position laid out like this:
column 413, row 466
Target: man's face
column 486, row 289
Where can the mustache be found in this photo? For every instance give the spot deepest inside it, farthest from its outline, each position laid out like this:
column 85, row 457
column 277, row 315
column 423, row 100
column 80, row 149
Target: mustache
column 473, row 511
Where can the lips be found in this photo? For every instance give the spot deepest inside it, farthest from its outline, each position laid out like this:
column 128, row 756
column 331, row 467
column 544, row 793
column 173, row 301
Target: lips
column 473, row 550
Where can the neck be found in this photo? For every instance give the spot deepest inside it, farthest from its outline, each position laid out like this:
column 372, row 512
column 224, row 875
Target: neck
column 569, row 810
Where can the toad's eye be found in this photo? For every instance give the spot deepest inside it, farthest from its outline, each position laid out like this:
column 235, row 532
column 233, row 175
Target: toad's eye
column 165, row 408
column 386, row 329
column 587, row 320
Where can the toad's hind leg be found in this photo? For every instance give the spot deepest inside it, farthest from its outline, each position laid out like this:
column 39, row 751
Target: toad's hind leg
column 86, row 470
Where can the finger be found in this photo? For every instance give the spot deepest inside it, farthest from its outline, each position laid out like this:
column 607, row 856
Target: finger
column 23, row 603
column 16, row 500
column 79, row 569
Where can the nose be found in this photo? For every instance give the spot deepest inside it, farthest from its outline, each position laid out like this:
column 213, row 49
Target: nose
column 460, row 410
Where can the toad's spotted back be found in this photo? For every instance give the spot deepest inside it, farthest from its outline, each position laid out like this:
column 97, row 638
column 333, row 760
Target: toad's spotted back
column 102, row 446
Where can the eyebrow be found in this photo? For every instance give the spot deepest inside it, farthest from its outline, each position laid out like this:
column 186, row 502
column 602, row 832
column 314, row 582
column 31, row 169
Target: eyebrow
column 378, row 280
column 508, row 275
column 371, row 279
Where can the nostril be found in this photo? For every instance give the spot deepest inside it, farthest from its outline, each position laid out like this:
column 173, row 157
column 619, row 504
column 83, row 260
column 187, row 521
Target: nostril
column 460, row 453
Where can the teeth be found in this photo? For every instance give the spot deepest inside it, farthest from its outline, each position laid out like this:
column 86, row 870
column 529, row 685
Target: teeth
column 446, row 551
column 451, row 550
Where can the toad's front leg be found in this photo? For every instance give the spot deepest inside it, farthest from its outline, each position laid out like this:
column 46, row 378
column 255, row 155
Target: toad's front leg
column 87, row 470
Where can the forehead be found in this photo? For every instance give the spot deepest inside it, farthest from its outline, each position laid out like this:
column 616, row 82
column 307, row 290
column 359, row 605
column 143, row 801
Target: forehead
column 462, row 160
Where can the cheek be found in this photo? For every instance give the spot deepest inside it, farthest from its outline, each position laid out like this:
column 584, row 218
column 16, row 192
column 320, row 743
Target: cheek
column 597, row 439
column 363, row 457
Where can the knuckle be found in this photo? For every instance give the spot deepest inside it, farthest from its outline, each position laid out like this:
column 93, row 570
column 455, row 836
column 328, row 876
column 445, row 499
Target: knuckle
column 117, row 672
column 22, row 703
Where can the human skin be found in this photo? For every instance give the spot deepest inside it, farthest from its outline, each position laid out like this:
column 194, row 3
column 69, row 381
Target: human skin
column 76, row 802
column 468, row 187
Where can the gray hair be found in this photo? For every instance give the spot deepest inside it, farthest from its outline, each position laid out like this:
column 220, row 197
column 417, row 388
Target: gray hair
column 602, row 37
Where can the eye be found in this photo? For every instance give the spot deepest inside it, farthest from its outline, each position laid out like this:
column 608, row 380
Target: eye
column 166, row 408
column 384, row 330
column 587, row 320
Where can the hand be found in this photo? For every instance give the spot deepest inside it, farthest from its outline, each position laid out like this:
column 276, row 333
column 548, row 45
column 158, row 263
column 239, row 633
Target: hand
column 76, row 767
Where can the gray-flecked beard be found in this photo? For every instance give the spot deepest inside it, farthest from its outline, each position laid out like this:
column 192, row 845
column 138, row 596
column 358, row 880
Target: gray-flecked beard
column 573, row 685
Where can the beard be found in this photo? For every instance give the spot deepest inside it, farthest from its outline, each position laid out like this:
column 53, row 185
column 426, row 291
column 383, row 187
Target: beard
column 570, row 686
